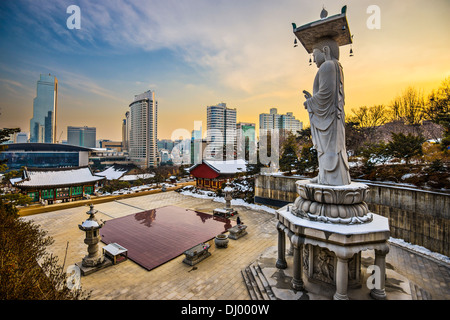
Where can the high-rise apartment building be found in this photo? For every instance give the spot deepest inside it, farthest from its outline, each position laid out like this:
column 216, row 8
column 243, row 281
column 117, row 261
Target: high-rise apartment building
column 221, row 130
column 143, row 150
column 283, row 122
column 81, row 136
column 45, row 105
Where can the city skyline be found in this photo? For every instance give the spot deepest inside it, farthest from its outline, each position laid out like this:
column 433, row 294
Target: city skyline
column 196, row 54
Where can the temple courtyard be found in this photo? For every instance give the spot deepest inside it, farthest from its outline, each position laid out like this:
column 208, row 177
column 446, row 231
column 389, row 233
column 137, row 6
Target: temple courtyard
column 410, row 275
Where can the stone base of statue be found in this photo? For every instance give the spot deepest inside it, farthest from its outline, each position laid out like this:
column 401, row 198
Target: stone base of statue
column 266, row 282
column 89, row 268
column 89, row 261
column 332, row 204
column 328, row 227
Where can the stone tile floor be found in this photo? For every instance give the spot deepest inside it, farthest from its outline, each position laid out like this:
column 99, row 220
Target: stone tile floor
column 216, row 278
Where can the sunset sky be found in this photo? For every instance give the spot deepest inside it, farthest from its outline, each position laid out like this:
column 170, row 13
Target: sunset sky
column 196, row 53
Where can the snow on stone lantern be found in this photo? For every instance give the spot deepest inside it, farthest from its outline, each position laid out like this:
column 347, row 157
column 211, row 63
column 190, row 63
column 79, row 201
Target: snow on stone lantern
column 228, row 211
column 228, row 190
column 92, row 227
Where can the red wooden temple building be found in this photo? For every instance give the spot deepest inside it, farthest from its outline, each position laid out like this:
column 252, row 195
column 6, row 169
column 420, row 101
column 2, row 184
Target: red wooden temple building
column 212, row 174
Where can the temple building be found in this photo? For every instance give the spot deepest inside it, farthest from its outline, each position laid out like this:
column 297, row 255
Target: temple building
column 212, row 174
column 65, row 184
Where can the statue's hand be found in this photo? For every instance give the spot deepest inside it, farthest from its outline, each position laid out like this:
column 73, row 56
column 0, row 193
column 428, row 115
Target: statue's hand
column 307, row 94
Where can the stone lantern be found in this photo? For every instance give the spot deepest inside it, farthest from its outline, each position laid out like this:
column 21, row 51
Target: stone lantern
column 228, row 197
column 228, row 211
column 92, row 227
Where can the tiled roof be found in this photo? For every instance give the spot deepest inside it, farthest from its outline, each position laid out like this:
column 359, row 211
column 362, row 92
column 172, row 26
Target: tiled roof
column 57, row 177
column 229, row 166
column 133, row 177
column 116, row 171
column 226, row 167
column 112, row 173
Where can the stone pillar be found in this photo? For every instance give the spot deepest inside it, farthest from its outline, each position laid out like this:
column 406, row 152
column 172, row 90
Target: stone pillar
column 341, row 278
column 281, row 262
column 297, row 281
column 290, row 252
column 380, row 261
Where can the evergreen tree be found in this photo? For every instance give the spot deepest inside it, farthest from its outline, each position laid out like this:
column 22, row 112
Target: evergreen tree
column 27, row 271
column 405, row 146
column 308, row 159
column 289, row 158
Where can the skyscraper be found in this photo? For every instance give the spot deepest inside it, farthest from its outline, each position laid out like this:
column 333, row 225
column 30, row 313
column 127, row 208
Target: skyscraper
column 45, row 105
column 221, row 130
column 143, row 150
column 81, row 136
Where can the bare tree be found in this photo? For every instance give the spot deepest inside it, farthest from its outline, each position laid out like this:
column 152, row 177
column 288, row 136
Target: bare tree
column 361, row 126
column 369, row 117
column 408, row 107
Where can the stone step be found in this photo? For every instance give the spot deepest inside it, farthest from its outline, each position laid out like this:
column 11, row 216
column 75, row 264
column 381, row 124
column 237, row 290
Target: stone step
column 256, row 282
column 249, row 285
column 259, row 282
column 418, row 293
column 252, row 286
column 265, row 283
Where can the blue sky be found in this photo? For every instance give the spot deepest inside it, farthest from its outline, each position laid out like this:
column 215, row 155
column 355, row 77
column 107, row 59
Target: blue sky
column 196, row 53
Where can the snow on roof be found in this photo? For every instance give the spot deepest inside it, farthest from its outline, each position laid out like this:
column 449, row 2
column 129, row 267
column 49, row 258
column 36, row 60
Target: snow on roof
column 133, row 177
column 227, row 166
column 112, row 173
column 14, row 180
column 57, row 177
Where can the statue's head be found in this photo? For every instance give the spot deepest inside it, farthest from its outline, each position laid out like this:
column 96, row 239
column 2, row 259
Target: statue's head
column 325, row 49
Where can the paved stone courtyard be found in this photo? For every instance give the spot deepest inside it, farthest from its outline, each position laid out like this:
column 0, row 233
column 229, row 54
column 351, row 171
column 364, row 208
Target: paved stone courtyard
column 216, row 278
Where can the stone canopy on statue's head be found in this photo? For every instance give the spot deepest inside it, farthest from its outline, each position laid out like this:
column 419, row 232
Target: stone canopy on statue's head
column 335, row 27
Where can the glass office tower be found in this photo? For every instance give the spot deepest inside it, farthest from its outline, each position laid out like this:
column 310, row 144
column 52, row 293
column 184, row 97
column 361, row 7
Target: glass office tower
column 82, row 136
column 43, row 123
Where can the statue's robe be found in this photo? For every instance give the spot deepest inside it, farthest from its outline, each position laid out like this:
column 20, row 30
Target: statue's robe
column 327, row 119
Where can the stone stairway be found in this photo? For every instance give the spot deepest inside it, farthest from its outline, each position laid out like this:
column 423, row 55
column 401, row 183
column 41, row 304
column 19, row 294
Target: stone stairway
column 265, row 282
column 257, row 284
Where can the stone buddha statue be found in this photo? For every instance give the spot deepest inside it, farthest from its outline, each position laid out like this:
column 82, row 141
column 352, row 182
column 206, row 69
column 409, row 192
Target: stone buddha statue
column 326, row 113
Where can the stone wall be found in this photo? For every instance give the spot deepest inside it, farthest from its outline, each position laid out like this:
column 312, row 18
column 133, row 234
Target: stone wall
column 417, row 216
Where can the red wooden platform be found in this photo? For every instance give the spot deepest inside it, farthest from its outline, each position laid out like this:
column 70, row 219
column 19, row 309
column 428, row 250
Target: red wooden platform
column 156, row 236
